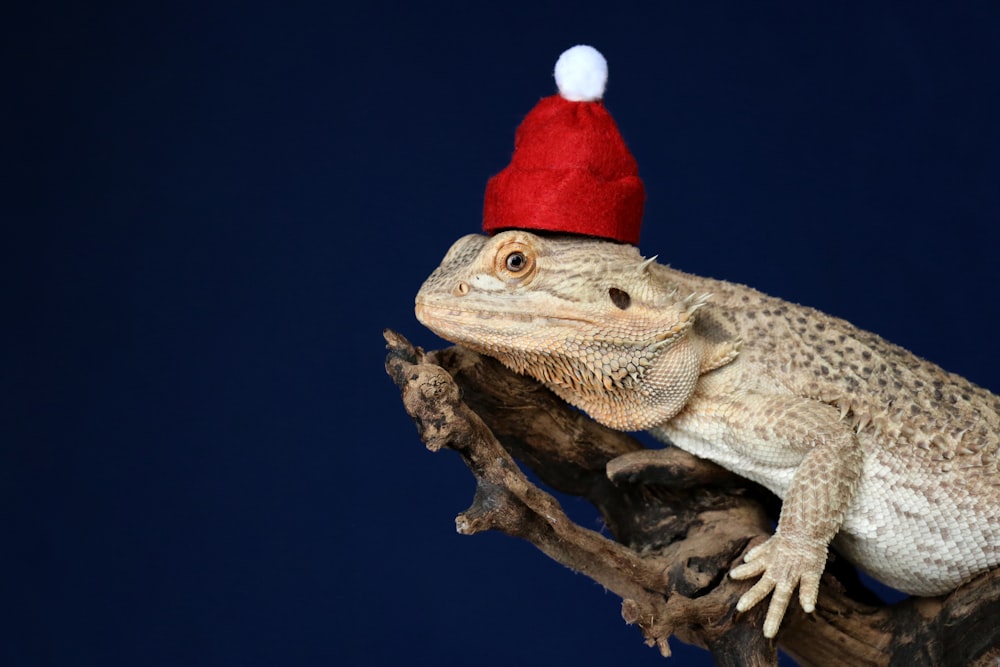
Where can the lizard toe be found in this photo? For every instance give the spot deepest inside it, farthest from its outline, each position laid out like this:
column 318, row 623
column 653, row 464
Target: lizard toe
column 783, row 565
column 757, row 592
column 809, row 591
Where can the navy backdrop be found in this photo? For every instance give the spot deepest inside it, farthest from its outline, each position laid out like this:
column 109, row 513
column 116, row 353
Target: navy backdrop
column 212, row 209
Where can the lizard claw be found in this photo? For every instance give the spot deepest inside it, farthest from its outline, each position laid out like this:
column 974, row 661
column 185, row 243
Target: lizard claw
column 783, row 565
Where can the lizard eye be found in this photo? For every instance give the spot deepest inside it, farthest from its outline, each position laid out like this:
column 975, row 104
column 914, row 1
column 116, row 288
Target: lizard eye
column 516, row 262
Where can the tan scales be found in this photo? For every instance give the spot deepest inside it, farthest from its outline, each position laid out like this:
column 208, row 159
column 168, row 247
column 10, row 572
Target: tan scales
column 893, row 459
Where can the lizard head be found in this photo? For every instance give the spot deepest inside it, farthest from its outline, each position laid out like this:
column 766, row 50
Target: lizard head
column 591, row 319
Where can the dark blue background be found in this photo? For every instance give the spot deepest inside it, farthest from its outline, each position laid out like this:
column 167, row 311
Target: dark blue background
column 212, row 209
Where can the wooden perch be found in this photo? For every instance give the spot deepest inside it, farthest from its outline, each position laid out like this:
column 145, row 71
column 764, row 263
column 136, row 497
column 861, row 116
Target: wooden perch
column 679, row 525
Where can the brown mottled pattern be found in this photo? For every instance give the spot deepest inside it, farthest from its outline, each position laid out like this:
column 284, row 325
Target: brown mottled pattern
column 887, row 455
column 899, row 399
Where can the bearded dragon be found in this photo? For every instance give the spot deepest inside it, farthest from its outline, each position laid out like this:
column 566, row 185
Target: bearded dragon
column 892, row 459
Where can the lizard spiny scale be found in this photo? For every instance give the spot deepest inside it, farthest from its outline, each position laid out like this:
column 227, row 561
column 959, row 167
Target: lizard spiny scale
column 891, row 459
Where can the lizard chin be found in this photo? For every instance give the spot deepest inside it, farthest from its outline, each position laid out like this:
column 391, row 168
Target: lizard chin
column 625, row 385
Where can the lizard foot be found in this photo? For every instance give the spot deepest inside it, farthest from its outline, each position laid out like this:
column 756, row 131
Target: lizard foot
column 783, row 564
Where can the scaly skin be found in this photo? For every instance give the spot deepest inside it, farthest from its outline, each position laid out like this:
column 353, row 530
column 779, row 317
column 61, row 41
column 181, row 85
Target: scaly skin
column 890, row 457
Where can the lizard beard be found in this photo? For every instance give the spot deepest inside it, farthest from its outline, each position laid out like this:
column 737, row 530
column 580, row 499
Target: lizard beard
column 625, row 386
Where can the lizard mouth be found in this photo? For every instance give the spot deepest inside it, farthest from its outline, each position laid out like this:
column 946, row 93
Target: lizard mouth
column 430, row 315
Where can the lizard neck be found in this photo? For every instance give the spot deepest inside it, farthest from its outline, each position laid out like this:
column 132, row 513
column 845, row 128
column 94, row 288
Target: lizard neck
column 634, row 392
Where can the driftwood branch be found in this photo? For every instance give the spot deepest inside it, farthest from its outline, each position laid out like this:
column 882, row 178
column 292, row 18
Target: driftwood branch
column 679, row 524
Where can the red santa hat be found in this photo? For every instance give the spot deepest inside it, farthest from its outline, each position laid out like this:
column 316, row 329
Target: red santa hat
column 571, row 171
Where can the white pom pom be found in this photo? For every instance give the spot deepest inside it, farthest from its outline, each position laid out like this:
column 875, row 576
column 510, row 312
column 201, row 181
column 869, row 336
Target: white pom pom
column 581, row 74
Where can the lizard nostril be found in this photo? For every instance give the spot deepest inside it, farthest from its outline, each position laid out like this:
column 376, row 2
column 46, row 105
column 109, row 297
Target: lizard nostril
column 462, row 289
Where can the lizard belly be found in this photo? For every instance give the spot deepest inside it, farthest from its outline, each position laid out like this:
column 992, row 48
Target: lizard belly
column 776, row 479
column 918, row 541
column 923, row 536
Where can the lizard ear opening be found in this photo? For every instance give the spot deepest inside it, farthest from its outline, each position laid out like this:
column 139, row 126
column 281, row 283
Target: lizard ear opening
column 620, row 298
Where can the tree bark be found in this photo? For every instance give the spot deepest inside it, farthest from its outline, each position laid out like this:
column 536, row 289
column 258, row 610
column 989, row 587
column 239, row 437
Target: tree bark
column 679, row 524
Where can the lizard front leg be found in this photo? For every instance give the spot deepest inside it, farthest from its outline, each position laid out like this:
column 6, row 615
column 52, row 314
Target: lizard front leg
column 802, row 450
